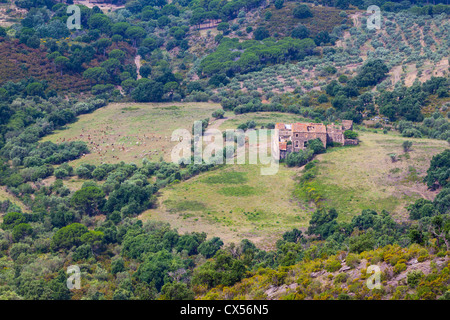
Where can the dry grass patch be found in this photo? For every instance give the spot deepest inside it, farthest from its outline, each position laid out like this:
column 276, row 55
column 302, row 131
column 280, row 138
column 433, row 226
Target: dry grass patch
column 365, row 177
column 234, row 202
column 131, row 131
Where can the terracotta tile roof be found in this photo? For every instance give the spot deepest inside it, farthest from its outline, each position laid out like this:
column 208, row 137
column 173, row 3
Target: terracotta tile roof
column 283, row 145
column 280, row 126
column 314, row 127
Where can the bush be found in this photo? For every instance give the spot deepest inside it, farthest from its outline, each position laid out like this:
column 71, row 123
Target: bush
column 12, row 219
column 316, row 146
column 322, row 98
column 332, row 265
column 261, row 33
column 21, row 230
column 399, row 267
column 406, row 145
column 341, row 278
column 300, row 32
column 352, row 260
column 414, row 277
column 218, row 114
column 302, row 12
column 69, row 236
column 350, row 134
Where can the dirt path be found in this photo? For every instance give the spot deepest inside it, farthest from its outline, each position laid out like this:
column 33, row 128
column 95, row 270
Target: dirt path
column 218, row 122
column 137, row 62
column 215, row 124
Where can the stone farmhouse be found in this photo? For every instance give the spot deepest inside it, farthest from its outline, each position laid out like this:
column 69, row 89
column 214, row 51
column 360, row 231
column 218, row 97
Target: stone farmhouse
column 295, row 136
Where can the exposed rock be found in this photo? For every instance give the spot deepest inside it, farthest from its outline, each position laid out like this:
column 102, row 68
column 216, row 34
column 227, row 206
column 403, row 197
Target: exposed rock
column 316, row 274
column 344, row 268
column 293, row 286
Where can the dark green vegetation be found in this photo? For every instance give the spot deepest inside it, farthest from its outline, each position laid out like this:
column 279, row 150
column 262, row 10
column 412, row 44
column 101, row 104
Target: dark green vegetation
column 304, row 156
column 63, row 229
column 233, row 57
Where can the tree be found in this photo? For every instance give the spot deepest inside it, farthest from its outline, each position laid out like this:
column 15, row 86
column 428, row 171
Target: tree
column 35, row 89
column 111, row 66
column 33, row 42
column 420, row 209
column 155, row 268
column 119, row 28
column 442, row 201
column 302, row 12
column 100, row 21
column 61, row 62
column 316, row 145
column 300, row 32
column 223, row 26
column 407, row 145
column 323, row 223
column 148, row 91
column 177, row 291
column 438, row 174
column 293, row 236
column 21, row 230
column 222, row 270
column 135, row 34
column 322, row 98
column 171, row 87
column 69, row 236
column 96, row 75
column 371, row 73
column 279, row 4
column 218, row 114
column 10, row 220
column 323, row 37
column 117, row 54
column 88, row 200
column 365, row 220
column 145, row 70
column 163, row 21
column 102, row 44
column 363, row 242
column 261, row 33
column 209, row 248
column 342, row 4
column 440, row 228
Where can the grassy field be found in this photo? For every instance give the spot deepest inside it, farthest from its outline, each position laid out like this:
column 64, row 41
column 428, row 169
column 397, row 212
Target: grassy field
column 234, row 202
column 4, row 195
column 355, row 178
column 131, row 131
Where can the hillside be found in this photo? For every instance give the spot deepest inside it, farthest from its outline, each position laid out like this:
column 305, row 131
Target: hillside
column 349, row 179
column 94, row 205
